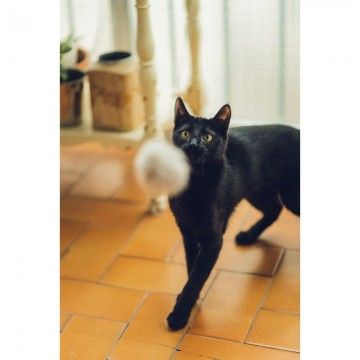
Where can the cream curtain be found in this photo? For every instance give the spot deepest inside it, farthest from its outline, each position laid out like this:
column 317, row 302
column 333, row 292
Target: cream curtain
column 249, row 50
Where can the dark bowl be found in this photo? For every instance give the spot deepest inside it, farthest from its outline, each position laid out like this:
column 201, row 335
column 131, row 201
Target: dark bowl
column 114, row 56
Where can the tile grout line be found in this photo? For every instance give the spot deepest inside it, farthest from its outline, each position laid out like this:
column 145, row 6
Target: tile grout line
column 278, row 263
column 241, row 343
column 273, row 347
column 66, row 323
column 281, row 311
column 169, row 257
column 259, row 307
column 120, row 287
column 96, row 317
column 131, row 318
column 101, row 282
column 111, row 263
column 216, row 268
column 84, row 228
column 82, row 174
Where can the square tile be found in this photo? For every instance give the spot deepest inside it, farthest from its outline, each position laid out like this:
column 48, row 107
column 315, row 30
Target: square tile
column 155, row 237
column 275, row 329
column 89, row 338
column 230, row 306
column 149, row 324
column 146, row 275
column 69, row 232
column 76, row 163
column 255, row 259
column 285, row 290
column 94, row 251
column 229, row 350
column 98, row 300
column 128, row 349
column 149, row 275
column 100, row 212
column 102, row 181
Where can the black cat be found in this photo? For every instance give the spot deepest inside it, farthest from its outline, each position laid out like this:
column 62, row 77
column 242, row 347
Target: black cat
column 258, row 163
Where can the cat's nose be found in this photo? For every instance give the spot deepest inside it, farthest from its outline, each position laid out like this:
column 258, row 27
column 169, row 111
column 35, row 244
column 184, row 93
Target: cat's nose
column 193, row 143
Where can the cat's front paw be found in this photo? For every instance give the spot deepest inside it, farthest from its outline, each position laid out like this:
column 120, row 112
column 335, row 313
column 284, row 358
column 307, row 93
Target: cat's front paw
column 244, row 238
column 177, row 321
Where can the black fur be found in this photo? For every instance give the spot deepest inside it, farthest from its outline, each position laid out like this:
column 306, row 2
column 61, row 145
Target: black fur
column 257, row 163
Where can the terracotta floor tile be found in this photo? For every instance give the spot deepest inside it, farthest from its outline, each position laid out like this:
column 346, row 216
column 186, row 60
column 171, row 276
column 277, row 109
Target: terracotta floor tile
column 149, row 275
column 100, row 212
column 256, row 259
column 98, row 300
column 230, row 306
column 229, row 350
column 101, row 181
column 155, row 237
column 119, row 254
column 237, row 220
column 76, row 162
column 94, row 251
column 88, row 338
column 69, row 231
column 128, row 349
column 284, row 232
column 130, row 190
column 64, row 318
column 146, row 275
column 150, row 324
column 285, row 290
column 67, row 179
column 276, row 329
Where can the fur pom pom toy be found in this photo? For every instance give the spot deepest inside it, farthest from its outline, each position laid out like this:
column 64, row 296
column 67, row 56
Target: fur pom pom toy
column 161, row 168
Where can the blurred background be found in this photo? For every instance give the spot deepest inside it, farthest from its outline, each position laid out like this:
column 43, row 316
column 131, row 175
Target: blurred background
column 249, row 50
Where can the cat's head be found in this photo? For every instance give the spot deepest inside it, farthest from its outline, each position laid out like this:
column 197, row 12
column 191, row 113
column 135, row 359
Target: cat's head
column 202, row 140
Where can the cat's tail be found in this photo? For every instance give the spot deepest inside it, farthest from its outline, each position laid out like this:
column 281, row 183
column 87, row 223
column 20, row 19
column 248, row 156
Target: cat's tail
column 161, row 168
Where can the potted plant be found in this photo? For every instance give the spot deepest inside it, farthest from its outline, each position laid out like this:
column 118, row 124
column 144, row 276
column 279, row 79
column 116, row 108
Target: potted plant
column 71, row 85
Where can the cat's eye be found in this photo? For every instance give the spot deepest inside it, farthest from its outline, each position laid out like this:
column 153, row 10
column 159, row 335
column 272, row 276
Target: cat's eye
column 207, row 137
column 185, row 134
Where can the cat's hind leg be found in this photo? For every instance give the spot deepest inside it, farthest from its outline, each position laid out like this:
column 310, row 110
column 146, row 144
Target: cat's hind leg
column 291, row 199
column 269, row 204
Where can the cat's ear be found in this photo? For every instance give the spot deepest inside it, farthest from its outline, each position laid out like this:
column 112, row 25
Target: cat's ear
column 223, row 116
column 180, row 109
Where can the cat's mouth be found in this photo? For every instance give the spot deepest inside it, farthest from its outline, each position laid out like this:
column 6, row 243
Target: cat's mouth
column 195, row 156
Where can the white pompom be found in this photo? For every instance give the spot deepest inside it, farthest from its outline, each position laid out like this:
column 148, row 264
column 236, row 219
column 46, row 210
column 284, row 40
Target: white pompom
column 161, row 168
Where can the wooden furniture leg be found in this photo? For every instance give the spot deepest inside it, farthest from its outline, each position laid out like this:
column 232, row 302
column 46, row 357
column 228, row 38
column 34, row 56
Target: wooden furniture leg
column 194, row 95
column 145, row 49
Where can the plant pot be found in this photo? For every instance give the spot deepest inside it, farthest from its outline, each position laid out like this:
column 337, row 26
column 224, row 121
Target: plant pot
column 116, row 98
column 71, row 98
